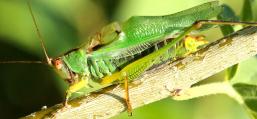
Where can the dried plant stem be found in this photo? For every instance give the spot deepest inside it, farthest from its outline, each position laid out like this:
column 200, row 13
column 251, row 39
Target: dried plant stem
column 157, row 83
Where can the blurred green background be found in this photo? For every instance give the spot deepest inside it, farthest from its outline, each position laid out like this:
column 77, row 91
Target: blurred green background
column 65, row 24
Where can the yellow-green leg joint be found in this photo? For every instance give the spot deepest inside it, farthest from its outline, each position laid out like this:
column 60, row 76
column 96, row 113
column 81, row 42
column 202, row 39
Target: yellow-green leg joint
column 74, row 88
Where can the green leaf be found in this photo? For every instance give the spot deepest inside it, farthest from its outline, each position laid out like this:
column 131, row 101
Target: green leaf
column 231, row 72
column 227, row 15
column 247, row 11
column 247, row 72
column 249, row 94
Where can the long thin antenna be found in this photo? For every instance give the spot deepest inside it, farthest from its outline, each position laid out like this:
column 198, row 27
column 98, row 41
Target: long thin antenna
column 22, row 62
column 39, row 34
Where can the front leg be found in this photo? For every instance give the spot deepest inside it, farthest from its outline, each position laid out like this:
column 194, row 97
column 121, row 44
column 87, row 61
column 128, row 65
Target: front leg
column 74, row 88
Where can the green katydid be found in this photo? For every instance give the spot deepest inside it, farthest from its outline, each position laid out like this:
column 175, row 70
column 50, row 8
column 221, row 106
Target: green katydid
column 119, row 53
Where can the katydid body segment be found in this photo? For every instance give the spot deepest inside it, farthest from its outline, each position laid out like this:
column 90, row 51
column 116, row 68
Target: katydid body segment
column 120, row 53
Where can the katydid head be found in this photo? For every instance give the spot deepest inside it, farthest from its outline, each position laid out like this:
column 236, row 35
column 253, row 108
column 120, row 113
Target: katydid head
column 72, row 63
column 61, row 68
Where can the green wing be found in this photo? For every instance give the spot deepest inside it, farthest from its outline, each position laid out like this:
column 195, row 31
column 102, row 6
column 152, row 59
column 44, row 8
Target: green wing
column 141, row 32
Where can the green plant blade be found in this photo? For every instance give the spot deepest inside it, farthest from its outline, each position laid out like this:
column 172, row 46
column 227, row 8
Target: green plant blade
column 227, row 15
column 247, row 11
column 249, row 94
column 231, row 72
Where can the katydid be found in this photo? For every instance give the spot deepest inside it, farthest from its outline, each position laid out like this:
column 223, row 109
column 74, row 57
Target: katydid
column 121, row 52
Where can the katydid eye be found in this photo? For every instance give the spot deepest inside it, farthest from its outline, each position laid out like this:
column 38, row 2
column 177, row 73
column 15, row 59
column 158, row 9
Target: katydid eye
column 58, row 64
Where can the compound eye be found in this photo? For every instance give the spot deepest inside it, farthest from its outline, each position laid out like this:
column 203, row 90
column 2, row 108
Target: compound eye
column 57, row 63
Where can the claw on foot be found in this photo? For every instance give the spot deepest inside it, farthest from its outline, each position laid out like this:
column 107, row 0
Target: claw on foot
column 129, row 108
column 176, row 92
